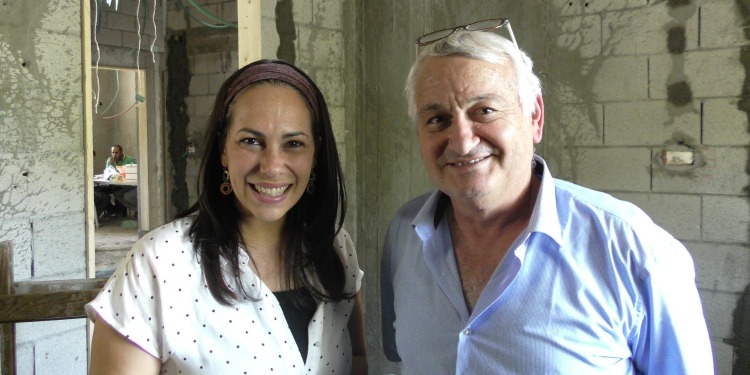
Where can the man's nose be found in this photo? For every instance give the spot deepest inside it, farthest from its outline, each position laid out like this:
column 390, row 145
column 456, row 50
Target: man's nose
column 461, row 137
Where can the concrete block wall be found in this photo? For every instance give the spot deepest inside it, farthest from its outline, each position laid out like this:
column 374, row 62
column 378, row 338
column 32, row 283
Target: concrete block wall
column 315, row 28
column 626, row 80
column 41, row 164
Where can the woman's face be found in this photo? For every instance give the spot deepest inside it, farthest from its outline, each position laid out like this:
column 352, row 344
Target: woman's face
column 269, row 150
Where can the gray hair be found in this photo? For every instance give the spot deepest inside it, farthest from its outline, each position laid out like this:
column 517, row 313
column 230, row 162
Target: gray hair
column 487, row 47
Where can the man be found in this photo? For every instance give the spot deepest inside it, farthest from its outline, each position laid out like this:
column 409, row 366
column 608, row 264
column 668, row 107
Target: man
column 118, row 158
column 126, row 196
column 505, row 270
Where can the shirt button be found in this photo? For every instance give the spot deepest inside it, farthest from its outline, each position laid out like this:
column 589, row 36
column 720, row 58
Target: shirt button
column 467, row 332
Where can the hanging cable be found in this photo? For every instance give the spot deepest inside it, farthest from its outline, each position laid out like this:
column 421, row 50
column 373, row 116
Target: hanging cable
column 156, row 34
column 211, row 16
column 138, row 47
column 187, row 11
column 98, row 56
column 123, row 112
column 117, row 91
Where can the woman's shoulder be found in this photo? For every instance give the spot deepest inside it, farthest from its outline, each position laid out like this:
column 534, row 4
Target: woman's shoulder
column 170, row 238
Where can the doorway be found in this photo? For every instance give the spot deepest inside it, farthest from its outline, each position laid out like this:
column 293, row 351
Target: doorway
column 121, row 191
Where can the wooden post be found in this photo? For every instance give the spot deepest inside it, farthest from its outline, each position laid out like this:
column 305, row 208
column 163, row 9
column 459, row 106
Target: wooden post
column 7, row 331
column 248, row 31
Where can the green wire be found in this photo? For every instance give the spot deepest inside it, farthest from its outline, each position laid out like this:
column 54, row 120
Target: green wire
column 211, row 16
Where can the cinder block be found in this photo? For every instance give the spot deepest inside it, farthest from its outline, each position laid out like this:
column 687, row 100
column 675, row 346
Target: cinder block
column 621, row 78
column 725, row 219
column 680, row 215
column 613, row 169
column 305, row 49
column 718, row 308
column 269, row 39
column 698, row 68
column 206, row 63
column 575, row 7
column 18, row 231
column 723, row 357
column 107, row 37
column 229, row 11
column 721, row 25
column 215, row 81
column 35, row 331
column 199, row 84
column 337, row 114
column 302, row 11
column 59, row 246
column 328, row 14
column 331, row 85
column 643, row 31
column 580, row 124
column 120, row 21
column 63, row 354
column 210, row 8
column 176, row 20
column 326, row 47
column 268, row 8
column 721, row 267
column 581, row 34
column 724, row 124
column 204, row 104
column 646, row 123
column 718, row 172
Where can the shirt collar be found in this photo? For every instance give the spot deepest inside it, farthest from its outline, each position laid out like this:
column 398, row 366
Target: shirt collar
column 544, row 218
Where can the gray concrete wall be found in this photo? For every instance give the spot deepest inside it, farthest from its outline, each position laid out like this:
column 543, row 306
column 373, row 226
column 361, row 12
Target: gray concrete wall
column 623, row 81
column 41, row 167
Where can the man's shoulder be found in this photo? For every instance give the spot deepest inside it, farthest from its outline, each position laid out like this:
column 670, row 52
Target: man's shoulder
column 581, row 199
column 410, row 209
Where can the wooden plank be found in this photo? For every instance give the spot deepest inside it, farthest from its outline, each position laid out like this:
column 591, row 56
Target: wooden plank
column 45, row 306
column 7, row 331
column 248, row 31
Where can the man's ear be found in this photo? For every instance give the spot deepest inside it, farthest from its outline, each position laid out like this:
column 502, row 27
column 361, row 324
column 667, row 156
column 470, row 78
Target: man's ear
column 537, row 120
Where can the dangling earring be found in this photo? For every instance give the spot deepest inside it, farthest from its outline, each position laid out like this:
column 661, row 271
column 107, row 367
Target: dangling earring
column 311, row 184
column 226, row 188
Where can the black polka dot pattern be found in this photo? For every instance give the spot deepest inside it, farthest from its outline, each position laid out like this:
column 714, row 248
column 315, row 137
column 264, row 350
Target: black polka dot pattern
column 178, row 321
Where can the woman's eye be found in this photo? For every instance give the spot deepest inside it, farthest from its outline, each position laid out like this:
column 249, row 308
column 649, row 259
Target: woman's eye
column 294, row 144
column 250, row 141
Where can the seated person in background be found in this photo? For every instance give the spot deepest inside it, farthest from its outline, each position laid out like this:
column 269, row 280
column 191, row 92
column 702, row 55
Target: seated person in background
column 126, row 197
column 118, row 158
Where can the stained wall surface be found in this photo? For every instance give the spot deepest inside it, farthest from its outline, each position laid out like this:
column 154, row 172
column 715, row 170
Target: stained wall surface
column 42, row 166
column 625, row 82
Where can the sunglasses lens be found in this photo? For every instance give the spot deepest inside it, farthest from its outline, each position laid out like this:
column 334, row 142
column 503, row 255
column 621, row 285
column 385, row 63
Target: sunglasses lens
column 434, row 36
column 484, row 25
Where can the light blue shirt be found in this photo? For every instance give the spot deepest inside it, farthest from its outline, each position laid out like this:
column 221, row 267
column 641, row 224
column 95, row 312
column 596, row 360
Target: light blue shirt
column 592, row 286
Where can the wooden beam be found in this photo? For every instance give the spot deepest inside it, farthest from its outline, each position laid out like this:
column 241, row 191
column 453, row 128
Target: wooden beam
column 248, row 31
column 48, row 300
column 7, row 331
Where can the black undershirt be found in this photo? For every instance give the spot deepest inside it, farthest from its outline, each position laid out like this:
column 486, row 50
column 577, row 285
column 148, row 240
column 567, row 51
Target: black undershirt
column 299, row 307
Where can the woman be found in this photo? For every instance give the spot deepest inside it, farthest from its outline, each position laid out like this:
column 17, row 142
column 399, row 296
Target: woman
column 258, row 276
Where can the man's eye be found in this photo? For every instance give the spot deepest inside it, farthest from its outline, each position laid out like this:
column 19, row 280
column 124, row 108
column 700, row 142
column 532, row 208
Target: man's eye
column 436, row 121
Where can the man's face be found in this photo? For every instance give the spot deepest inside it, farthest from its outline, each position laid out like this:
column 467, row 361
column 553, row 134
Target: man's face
column 117, row 153
column 474, row 139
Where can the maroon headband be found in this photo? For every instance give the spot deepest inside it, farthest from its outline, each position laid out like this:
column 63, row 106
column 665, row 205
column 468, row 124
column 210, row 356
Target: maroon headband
column 274, row 71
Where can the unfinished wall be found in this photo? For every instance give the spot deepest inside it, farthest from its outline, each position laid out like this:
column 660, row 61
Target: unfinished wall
column 623, row 82
column 306, row 33
column 41, row 167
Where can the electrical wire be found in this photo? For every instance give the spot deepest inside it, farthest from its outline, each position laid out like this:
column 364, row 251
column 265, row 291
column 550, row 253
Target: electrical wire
column 138, row 48
column 187, row 11
column 212, row 16
column 135, row 104
column 156, row 35
column 117, row 92
column 98, row 56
